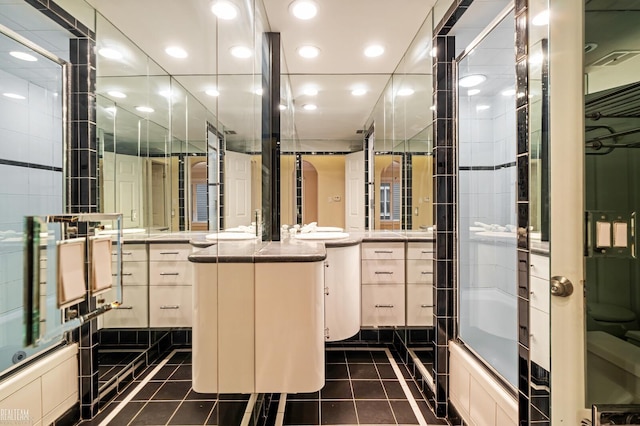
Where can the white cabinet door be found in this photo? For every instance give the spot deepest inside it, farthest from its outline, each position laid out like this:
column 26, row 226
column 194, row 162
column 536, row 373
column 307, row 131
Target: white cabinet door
column 170, row 306
column 132, row 313
column 419, row 305
column 383, row 305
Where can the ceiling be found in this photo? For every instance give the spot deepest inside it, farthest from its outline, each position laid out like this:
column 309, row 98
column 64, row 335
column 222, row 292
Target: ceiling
column 341, row 30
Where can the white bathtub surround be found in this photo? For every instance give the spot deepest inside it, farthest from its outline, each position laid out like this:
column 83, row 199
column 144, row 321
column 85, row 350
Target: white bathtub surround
column 45, row 390
column 476, row 394
column 613, row 369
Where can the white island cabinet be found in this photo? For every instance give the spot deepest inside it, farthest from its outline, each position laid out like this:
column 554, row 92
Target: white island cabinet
column 258, row 321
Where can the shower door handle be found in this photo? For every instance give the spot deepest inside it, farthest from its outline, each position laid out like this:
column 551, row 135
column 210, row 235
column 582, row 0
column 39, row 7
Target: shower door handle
column 561, row 286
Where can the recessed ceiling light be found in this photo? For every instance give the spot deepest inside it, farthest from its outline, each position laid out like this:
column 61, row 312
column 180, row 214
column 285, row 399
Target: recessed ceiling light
column 432, row 107
column 359, row 91
column 111, row 109
column 110, row 53
column 14, row 96
column 310, row 107
column 303, row 9
column 165, row 93
column 224, row 9
column 308, row 51
column 23, row 56
column 482, row 107
column 116, row 94
column 241, row 52
column 212, row 92
column 472, row 80
column 258, row 91
column 373, row 51
column 406, row 92
column 508, row 92
column 144, row 109
column 176, row 52
column 434, row 52
column 472, row 92
column 282, row 107
column 541, row 18
column 310, row 91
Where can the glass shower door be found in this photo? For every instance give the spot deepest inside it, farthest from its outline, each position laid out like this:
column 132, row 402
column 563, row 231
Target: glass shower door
column 486, row 198
column 31, row 183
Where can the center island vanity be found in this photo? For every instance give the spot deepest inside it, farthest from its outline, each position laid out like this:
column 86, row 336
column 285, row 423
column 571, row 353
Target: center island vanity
column 261, row 312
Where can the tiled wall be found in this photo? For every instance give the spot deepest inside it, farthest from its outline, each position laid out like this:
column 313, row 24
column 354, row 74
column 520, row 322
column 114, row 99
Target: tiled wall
column 444, row 183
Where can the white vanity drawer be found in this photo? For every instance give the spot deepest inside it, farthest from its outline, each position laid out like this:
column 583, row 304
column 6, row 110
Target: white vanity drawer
column 132, row 313
column 540, row 293
column 383, row 250
column 166, row 252
column 382, row 272
column 131, row 252
column 383, row 305
column 170, row 273
column 539, row 266
column 419, row 305
column 133, row 273
column 420, row 251
column 420, row 271
column 170, row 306
column 539, row 339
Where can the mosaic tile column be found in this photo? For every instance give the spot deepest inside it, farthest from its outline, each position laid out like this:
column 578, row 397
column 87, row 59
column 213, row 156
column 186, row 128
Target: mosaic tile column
column 444, row 209
column 407, row 184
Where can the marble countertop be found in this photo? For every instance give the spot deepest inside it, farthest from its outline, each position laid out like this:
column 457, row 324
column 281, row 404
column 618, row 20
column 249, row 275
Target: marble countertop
column 259, row 252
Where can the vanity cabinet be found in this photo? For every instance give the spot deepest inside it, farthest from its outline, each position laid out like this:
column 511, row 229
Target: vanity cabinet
column 420, row 284
column 134, row 311
column 383, row 284
column 170, row 276
column 539, row 310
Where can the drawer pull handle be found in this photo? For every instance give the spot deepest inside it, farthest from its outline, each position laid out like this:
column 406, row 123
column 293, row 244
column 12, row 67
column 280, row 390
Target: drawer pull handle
column 384, row 306
column 124, row 253
column 383, row 251
column 425, row 272
column 426, row 252
column 170, row 307
column 169, row 252
column 426, row 306
column 124, row 307
column 124, row 274
column 169, row 273
column 384, row 273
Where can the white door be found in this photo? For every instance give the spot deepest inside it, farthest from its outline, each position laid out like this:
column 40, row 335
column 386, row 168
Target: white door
column 125, row 182
column 566, row 192
column 237, row 189
column 354, row 191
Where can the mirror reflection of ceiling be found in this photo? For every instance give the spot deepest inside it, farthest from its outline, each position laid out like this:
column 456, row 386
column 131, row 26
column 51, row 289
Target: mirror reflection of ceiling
column 26, row 20
column 612, row 43
column 341, row 30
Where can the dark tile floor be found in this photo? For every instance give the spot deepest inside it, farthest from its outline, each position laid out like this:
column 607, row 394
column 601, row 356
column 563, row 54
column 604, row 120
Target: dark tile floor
column 111, row 363
column 361, row 387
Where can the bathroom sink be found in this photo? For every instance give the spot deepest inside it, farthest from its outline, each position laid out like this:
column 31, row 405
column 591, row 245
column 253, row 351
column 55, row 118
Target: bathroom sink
column 321, row 236
column 231, row 236
column 124, row 231
column 328, row 229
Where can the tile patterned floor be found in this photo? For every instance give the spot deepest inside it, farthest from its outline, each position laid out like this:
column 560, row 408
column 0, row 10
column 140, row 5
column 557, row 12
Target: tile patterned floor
column 362, row 387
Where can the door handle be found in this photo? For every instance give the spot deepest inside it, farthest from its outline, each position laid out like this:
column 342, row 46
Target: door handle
column 561, row 286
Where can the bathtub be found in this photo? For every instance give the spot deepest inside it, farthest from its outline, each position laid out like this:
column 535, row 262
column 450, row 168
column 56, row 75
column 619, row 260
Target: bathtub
column 489, row 327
